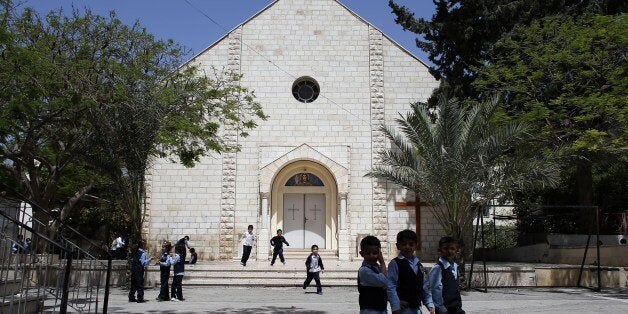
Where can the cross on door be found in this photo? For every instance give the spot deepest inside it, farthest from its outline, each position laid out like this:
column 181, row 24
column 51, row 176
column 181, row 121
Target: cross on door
column 293, row 209
column 315, row 209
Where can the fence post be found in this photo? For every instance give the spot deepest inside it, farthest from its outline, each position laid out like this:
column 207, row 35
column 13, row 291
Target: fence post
column 106, row 301
column 66, row 283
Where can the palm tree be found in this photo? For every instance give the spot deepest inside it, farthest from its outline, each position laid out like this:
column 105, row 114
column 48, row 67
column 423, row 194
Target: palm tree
column 456, row 160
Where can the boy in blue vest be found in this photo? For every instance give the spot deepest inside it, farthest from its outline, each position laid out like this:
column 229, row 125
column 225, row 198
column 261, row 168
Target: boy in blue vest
column 407, row 282
column 444, row 279
column 164, row 270
column 372, row 278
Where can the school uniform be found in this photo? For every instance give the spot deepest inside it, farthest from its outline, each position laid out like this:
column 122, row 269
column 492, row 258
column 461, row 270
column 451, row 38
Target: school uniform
column 372, row 289
column 247, row 247
column 407, row 281
column 138, row 262
column 313, row 266
column 164, row 276
column 445, row 288
column 176, row 292
column 277, row 243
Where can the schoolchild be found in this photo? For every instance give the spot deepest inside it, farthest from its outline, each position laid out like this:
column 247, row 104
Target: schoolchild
column 178, row 265
column 444, row 279
column 407, row 282
column 138, row 262
column 277, row 243
column 164, row 270
column 247, row 245
column 372, row 278
column 193, row 257
column 313, row 266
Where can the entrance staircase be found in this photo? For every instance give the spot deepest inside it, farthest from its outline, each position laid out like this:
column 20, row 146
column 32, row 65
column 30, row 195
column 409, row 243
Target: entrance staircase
column 260, row 273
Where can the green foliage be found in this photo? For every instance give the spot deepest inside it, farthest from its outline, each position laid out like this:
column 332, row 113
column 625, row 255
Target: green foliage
column 497, row 237
column 460, row 34
column 86, row 100
column 566, row 77
column 460, row 161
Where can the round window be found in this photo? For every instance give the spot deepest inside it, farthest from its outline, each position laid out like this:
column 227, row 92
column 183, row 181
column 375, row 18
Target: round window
column 305, row 89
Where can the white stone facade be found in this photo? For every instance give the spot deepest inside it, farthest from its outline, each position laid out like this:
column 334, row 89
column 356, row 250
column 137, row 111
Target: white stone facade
column 365, row 80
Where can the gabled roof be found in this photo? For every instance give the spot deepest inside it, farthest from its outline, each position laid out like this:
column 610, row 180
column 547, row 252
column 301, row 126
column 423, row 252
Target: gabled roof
column 337, row 1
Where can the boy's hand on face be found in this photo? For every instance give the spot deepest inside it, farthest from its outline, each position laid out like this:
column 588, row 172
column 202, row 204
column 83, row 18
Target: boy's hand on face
column 432, row 311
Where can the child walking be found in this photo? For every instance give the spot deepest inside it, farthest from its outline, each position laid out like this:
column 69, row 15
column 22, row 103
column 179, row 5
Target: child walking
column 178, row 262
column 247, row 245
column 277, row 243
column 444, row 279
column 313, row 266
column 138, row 262
column 164, row 270
column 372, row 278
column 407, row 282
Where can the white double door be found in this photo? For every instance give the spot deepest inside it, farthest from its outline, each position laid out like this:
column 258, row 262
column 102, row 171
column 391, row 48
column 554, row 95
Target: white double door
column 304, row 219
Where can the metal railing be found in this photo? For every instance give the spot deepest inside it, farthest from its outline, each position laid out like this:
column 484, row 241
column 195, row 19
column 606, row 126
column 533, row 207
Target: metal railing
column 49, row 273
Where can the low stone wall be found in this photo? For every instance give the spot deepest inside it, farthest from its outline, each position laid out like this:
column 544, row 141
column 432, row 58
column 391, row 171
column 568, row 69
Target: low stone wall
column 610, row 255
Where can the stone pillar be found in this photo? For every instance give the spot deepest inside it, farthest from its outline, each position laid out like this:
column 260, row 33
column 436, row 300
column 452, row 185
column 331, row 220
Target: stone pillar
column 344, row 247
column 263, row 238
column 378, row 139
column 227, row 235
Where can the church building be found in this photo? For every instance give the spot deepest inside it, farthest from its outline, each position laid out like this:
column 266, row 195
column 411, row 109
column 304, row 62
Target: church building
column 328, row 80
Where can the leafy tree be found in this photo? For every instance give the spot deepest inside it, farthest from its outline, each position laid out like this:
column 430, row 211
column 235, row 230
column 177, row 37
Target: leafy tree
column 566, row 77
column 458, row 160
column 88, row 98
column 460, row 34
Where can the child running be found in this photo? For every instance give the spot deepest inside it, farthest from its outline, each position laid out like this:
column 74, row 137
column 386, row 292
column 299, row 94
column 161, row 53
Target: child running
column 314, row 265
column 372, row 277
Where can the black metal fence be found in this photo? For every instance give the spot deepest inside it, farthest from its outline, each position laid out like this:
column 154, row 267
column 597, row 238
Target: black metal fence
column 46, row 272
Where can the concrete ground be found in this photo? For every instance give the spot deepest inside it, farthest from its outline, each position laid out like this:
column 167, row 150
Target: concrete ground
column 345, row 300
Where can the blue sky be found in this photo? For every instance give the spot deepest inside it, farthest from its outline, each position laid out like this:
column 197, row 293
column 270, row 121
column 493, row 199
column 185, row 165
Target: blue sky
column 178, row 20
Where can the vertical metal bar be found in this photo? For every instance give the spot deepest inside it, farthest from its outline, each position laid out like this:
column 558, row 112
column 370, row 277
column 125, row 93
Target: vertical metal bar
column 475, row 238
column 584, row 257
column 597, row 238
column 106, row 301
column 484, row 255
column 66, row 283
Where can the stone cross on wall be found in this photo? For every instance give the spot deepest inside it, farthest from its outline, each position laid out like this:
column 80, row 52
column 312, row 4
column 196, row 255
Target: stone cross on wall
column 293, row 209
column 315, row 209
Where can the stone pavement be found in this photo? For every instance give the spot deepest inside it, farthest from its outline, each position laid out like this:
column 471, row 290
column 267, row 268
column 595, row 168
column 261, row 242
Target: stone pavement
column 345, row 300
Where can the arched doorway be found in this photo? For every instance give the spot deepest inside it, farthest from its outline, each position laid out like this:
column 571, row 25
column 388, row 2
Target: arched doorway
column 304, row 204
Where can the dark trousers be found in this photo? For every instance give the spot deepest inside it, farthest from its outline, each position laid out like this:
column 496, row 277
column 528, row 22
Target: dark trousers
column 316, row 278
column 137, row 284
column 177, row 287
column 246, row 252
column 163, row 278
column 280, row 253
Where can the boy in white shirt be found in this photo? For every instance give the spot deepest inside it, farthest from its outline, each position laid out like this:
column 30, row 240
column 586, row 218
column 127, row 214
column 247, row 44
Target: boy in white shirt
column 247, row 245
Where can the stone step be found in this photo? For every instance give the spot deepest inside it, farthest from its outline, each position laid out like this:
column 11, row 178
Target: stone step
column 22, row 304
column 277, row 282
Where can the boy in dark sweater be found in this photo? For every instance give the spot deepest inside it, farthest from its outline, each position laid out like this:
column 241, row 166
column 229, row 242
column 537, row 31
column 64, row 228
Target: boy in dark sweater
column 407, row 282
column 313, row 266
column 444, row 279
column 164, row 270
column 277, row 243
column 372, row 277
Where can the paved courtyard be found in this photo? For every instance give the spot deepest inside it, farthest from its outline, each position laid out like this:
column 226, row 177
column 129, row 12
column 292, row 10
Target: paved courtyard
column 345, row 300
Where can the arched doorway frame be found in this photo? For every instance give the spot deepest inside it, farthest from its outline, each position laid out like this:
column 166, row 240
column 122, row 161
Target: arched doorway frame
column 330, row 190
column 267, row 176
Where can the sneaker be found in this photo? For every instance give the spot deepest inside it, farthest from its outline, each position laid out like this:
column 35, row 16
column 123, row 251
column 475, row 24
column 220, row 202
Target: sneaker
column 132, row 300
column 242, row 264
column 319, row 292
column 304, row 287
column 284, row 263
column 182, row 299
column 271, row 264
column 141, row 301
column 174, row 299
